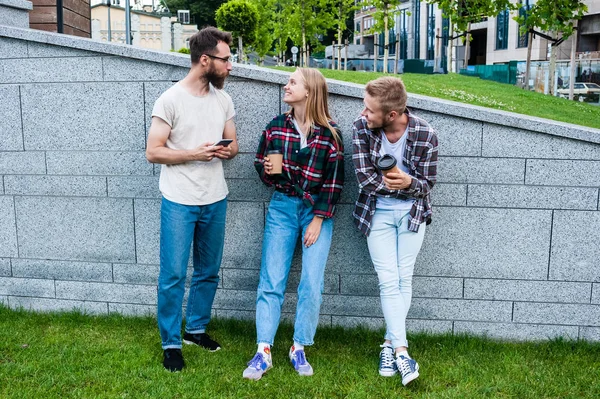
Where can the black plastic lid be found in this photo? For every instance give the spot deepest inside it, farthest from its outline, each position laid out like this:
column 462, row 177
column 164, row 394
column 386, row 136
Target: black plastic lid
column 386, row 162
column 273, row 152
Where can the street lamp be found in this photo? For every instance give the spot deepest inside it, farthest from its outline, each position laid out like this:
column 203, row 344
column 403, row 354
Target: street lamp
column 108, row 3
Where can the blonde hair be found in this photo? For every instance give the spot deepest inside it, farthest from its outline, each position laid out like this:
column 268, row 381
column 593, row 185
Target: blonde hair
column 317, row 108
column 390, row 92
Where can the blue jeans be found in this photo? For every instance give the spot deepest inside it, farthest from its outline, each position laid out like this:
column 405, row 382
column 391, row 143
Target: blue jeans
column 287, row 219
column 179, row 226
column 394, row 249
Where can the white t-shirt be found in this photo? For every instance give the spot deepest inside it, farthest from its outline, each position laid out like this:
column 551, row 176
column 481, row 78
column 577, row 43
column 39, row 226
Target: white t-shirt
column 194, row 120
column 396, row 149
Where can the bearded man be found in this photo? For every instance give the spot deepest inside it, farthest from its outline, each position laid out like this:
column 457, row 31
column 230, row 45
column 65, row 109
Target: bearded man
column 187, row 121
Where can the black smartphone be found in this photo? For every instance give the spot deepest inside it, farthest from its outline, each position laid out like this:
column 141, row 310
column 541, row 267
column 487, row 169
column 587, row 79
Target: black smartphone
column 224, row 142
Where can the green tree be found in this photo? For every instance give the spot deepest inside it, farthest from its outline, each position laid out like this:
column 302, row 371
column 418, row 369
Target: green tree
column 383, row 18
column 265, row 33
column 203, row 11
column 241, row 19
column 307, row 20
column 342, row 9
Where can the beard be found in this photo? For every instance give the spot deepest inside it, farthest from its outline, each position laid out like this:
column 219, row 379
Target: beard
column 214, row 78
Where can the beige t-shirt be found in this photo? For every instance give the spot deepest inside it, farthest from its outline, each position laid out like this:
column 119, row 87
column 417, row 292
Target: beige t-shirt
column 194, row 120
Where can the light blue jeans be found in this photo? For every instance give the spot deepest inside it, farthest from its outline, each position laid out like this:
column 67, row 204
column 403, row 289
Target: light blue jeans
column 287, row 219
column 179, row 226
column 394, row 249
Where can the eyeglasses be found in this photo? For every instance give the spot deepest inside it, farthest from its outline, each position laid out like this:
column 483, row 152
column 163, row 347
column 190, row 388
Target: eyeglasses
column 224, row 59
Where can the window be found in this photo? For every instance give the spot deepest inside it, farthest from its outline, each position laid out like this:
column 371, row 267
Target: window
column 403, row 33
column 445, row 40
column 183, row 16
column 523, row 38
column 430, row 32
column 417, row 29
column 502, row 30
column 358, row 27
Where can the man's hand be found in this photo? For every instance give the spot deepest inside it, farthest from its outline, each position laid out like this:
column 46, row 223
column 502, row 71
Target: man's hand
column 397, row 181
column 312, row 231
column 222, row 152
column 205, row 153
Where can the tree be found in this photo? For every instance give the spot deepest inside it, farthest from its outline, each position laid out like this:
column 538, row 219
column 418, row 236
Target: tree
column 203, row 11
column 344, row 8
column 382, row 17
column 307, row 19
column 557, row 18
column 241, row 19
column 266, row 27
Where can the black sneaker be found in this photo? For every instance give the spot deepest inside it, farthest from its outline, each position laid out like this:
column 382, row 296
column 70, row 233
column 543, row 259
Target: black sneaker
column 202, row 340
column 173, row 359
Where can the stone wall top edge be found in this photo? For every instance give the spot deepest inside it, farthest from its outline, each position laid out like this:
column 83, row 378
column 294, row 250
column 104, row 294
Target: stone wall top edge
column 251, row 72
column 20, row 4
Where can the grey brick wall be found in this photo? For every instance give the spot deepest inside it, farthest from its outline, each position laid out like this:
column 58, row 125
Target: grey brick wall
column 512, row 252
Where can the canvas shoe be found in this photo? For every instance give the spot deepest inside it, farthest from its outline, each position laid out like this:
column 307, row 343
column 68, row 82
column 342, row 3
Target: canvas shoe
column 173, row 359
column 301, row 365
column 259, row 365
column 203, row 340
column 387, row 365
column 408, row 368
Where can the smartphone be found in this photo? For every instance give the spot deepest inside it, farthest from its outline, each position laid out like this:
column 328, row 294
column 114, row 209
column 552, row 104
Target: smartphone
column 224, row 142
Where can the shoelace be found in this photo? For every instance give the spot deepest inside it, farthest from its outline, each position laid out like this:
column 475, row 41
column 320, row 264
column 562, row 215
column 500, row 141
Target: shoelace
column 404, row 366
column 387, row 358
column 256, row 361
column 300, row 358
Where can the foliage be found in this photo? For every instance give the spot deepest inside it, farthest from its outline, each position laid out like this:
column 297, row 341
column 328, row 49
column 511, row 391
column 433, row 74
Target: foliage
column 184, row 50
column 240, row 18
column 463, row 12
column 265, row 27
column 553, row 16
column 70, row 355
column 203, row 11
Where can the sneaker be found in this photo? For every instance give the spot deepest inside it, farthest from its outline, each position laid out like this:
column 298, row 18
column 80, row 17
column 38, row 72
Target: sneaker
column 408, row 368
column 298, row 359
column 387, row 365
column 173, row 359
column 202, row 340
column 259, row 365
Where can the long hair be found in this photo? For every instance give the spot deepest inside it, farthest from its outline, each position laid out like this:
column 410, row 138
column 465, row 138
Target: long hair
column 317, row 108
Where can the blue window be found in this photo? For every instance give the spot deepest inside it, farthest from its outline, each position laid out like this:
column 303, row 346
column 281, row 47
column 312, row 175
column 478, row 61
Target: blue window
column 430, row 32
column 523, row 38
column 502, row 30
column 417, row 29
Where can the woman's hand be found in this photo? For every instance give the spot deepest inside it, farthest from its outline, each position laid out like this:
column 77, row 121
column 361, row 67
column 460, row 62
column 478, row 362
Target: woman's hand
column 268, row 166
column 312, row 231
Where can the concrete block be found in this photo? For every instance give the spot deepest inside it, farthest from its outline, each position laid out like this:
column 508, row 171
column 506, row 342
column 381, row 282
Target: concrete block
column 344, row 111
column 26, row 287
column 596, row 294
column 591, row 334
column 488, row 243
column 348, row 253
column 415, row 326
column 554, row 313
column 133, row 187
column 350, row 191
column 516, row 331
column 460, row 309
column 241, row 167
column 290, row 318
column 83, row 116
column 449, row 194
column 249, row 190
column 78, row 186
column 128, row 309
column 45, row 50
column 502, row 141
column 247, row 279
column 11, row 128
column 18, row 17
column 256, row 104
column 530, row 291
column 456, row 136
column 344, row 305
column 88, row 229
column 98, row 163
column 4, row 300
column 371, row 323
column 62, row 270
column 424, row 287
column 536, row 197
column 109, row 292
column 23, row 163
column 243, row 234
column 575, row 252
column 5, row 269
column 234, row 300
column 152, row 90
column 58, row 305
column 118, row 69
column 135, row 273
column 52, row 70
column 12, row 48
column 8, row 228
column 481, row 170
column 560, row 173
column 147, row 231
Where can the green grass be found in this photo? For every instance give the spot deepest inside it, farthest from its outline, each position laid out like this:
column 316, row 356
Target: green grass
column 70, row 355
column 485, row 93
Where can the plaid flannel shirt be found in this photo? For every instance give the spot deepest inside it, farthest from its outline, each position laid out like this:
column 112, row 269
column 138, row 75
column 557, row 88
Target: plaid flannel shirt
column 317, row 169
column 420, row 157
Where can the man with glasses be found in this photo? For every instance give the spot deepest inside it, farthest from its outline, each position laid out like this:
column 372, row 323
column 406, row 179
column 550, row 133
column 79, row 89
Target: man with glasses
column 187, row 121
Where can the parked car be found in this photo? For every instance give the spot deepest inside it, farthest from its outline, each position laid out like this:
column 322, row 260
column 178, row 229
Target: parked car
column 589, row 92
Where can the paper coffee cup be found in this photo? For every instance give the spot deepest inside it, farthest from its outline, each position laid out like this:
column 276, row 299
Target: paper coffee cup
column 388, row 164
column 276, row 159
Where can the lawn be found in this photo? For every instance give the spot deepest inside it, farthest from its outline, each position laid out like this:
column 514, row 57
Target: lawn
column 485, row 93
column 70, row 355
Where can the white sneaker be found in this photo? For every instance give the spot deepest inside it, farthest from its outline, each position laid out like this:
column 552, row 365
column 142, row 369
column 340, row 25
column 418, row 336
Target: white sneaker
column 408, row 368
column 259, row 365
column 301, row 365
column 387, row 365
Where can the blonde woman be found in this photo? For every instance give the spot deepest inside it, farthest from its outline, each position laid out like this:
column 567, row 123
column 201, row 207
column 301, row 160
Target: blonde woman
column 302, row 205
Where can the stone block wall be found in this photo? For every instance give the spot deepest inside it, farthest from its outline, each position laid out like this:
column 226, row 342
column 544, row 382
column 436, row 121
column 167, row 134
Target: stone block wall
column 512, row 252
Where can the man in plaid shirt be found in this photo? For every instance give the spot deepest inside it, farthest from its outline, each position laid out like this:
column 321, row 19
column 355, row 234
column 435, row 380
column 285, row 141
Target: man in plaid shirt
column 393, row 210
